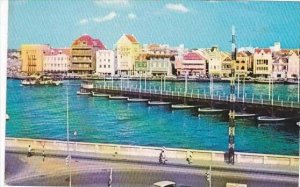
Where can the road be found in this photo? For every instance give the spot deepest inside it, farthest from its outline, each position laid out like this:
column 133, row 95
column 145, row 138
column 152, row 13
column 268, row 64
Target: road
column 32, row 171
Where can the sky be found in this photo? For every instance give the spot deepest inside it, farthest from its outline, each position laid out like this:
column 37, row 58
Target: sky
column 196, row 24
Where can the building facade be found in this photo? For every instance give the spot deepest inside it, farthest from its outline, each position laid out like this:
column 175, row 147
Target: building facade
column 128, row 49
column 57, row 61
column 262, row 63
column 293, row 64
column 241, row 65
column 214, row 58
column 140, row 65
column 32, row 56
column 83, row 55
column 193, row 64
column 106, row 62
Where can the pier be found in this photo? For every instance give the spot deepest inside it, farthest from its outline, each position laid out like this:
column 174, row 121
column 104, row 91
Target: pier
column 287, row 109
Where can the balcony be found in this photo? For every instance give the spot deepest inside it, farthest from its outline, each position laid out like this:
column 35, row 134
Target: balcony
column 79, row 68
column 81, row 60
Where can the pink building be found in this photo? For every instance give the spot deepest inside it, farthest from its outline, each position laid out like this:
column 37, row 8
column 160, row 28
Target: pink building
column 193, row 64
column 57, row 60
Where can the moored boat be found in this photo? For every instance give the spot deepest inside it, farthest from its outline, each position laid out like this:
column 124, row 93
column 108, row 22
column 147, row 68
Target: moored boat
column 83, row 93
column 157, row 103
column 7, row 117
column 119, row 97
column 99, row 94
column 210, row 110
column 137, row 100
column 244, row 115
column 182, row 106
column 270, row 119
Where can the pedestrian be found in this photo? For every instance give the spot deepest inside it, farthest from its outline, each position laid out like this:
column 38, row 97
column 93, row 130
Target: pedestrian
column 44, row 155
column 189, row 156
column 29, row 151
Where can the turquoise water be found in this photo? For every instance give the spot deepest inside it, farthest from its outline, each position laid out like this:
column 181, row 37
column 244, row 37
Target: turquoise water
column 40, row 112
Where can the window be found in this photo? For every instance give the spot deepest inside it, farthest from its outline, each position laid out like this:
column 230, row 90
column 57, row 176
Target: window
column 104, row 66
column 100, row 66
column 108, row 66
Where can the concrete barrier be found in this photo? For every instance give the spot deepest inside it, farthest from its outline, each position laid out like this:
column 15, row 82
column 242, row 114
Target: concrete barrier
column 153, row 152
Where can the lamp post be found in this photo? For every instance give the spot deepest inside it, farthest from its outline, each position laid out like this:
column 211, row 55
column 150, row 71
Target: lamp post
column 68, row 160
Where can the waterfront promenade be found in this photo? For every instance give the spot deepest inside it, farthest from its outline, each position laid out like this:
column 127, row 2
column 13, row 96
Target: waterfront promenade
column 91, row 158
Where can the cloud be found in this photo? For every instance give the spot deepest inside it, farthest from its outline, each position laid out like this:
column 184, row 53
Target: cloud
column 83, row 21
column 111, row 2
column 177, row 7
column 105, row 18
column 131, row 16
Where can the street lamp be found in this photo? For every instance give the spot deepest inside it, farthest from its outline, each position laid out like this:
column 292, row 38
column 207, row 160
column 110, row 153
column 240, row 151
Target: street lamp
column 208, row 176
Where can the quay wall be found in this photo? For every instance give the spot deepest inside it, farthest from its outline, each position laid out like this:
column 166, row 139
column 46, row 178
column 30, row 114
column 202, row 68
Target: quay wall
column 150, row 152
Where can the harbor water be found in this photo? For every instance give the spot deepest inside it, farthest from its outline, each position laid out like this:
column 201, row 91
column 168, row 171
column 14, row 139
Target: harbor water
column 41, row 112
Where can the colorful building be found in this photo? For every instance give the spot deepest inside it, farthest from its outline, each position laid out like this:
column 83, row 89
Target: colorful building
column 159, row 60
column 106, row 62
column 193, row 64
column 243, row 63
column 293, row 64
column 214, row 58
column 128, row 49
column 280, row 64
column 140, row 65
column 32, row 56
column 57, row 61
column 226, row 67
column 262, row 63
column 83, row 55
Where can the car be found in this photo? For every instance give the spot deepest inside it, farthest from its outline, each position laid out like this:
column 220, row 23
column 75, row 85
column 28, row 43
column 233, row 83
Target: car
column 164, row 184
column 168, row 184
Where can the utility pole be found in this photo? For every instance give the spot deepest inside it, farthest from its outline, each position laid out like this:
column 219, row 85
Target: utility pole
column 231, row 126
column 208, row 176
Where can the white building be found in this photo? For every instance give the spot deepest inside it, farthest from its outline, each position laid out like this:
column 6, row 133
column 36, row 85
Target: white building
column 105, row 62
column 293, row 64
column 57, row 61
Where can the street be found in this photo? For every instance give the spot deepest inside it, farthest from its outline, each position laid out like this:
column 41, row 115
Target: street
column 32, row 171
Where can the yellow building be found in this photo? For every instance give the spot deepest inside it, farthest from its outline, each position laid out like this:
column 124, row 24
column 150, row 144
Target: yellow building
column 128, row 49
column 214, row 58
column 243, row 60
column 262, row 63
column 32, row 58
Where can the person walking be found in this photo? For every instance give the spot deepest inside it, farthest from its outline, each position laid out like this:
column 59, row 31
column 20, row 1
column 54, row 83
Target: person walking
column 29, row 151
column 44, row 156
column 189, row 156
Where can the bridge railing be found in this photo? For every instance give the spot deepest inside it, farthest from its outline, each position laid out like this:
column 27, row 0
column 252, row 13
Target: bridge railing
column 221, row 96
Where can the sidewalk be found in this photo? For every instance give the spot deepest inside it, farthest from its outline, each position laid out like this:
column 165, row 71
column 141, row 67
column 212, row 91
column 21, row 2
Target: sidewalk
column 257, row 168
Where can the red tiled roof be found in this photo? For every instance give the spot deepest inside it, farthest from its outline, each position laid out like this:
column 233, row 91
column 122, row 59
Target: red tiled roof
column 89, row 41
column 265, row 50
column 131, row 38
column 192, row 56
column 56, row 51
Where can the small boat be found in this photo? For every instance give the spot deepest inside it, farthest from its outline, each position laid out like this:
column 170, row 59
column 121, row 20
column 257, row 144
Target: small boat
column 83, row 93
column 157, row 103
column 137, row 100
column 57, row 82
column 99, row 95
column 210, row 110
column 244, row 115
column 7, row 117
column 117, row 97
column 182, row 106
column 292, row 81
column 270, row 119
column 29, row 82
column 262, row 81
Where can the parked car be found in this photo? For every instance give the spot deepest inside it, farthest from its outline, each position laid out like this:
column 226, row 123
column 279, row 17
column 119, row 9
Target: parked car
column 168, row 184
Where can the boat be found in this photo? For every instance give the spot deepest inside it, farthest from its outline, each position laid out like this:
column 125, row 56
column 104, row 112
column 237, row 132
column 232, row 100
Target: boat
column 210, row 110
column 292, row 81
column 29, row 81
column 243, row 115
column 99, row 94
column 182, row 106
column 7, row 117
column 270, row 119
column 137, row 100
column 262, row 81
column 57, row 82
column 83, row 93
column 117, row 97
column 157, row 103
